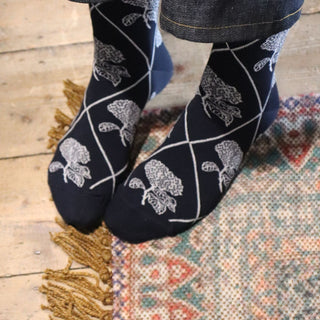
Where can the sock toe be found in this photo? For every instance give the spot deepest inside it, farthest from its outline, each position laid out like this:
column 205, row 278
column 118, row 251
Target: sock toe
column 132, row 224
column 81, row 210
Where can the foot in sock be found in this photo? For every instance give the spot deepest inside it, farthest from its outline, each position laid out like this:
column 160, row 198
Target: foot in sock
column 131, row 65
column 187, row 176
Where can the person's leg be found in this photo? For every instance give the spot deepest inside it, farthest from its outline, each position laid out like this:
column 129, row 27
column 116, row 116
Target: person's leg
column 186, row 177
column 131, row 65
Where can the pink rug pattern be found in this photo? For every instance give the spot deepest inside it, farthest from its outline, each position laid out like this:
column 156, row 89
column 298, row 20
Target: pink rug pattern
column 257, row 255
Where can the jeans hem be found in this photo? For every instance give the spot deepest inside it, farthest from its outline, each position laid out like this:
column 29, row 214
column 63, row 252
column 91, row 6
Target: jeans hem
column 231, row 33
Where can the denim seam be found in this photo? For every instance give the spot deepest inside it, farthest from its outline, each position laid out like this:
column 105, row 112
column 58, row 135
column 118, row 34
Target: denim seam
column 231, row 26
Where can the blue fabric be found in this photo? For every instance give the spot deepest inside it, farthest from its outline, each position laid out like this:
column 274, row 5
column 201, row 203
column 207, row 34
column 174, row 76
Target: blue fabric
column 187, row 176
column 223, row 20
column 228, row 21
column 131, row 65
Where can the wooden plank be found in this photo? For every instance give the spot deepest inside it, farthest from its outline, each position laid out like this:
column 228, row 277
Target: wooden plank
column 26, row 218
column 31, row 91
column 38, row 23
column 311, row 6
column 20, row 298
column 26, row 247
column 24, row 194
column 298, row 68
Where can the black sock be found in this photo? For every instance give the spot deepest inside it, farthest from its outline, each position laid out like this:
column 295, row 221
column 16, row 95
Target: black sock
column 186, row 177
column 131, row 65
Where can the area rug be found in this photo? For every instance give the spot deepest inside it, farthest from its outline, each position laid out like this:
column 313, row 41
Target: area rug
column 257, row 256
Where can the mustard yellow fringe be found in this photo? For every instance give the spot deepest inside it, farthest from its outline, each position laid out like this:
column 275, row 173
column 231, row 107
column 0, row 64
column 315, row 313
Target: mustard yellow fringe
column 74, row 95
column 77, row 294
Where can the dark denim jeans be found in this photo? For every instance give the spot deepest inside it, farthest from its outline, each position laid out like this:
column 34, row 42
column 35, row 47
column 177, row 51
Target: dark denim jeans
column 225, row 20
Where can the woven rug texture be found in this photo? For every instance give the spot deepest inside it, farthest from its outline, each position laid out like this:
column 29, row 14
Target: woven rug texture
column 257, row 256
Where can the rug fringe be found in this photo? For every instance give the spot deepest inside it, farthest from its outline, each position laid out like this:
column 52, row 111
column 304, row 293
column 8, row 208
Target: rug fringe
column 74, row 95
column 76, row 294
column 92, row 250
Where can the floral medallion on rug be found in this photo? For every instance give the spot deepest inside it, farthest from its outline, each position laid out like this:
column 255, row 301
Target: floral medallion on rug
column 257, row 256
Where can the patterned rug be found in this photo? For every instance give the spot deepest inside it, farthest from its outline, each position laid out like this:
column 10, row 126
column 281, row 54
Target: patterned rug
column 257, row 256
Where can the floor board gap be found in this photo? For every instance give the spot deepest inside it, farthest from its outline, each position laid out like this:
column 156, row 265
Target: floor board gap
column 27, row 155
column 35, row 273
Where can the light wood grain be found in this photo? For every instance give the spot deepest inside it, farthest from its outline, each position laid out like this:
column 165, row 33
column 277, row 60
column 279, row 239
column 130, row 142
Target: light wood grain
column 31, row 89
column 20, row 298
column 24, row 194
column 298, row 68
column 26, row 247
column 26, row 218
column 42, row 23
column 311, row 6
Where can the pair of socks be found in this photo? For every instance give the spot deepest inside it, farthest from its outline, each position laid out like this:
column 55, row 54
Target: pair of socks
column 186, row 177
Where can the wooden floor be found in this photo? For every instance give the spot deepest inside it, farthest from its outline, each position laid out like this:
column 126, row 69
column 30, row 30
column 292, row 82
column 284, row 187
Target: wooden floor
column 43, row 42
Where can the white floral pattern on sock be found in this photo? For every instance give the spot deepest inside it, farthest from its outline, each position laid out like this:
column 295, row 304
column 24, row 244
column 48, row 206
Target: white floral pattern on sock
column 128, row 113
column 273, row 43
column 231, row 156
column 162, row 180
column 219, row 98
column 150, row 12
column 74, row 153
column 105, row 58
